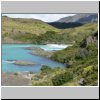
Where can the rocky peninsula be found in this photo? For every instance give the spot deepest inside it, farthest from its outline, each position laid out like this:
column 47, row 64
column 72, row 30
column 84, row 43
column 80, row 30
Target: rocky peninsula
column 24, row 63
column 40, row 52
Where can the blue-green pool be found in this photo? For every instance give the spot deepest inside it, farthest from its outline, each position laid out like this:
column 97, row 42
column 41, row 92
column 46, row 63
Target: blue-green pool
column 11, row 52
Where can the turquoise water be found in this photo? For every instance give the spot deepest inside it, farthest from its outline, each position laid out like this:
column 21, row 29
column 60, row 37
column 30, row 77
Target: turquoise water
column 18, row 52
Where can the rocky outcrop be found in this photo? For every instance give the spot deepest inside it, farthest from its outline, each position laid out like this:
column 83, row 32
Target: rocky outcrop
column 87, row 45
column 92, row 39
column 24, row 63
column 40, row 52
column 81, row 82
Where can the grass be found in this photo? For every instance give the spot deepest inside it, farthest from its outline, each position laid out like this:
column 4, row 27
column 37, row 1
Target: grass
column 20, row 30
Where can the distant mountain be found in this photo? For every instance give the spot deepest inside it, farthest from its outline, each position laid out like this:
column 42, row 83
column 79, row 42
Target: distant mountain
column 80, row 18
column 74, row 21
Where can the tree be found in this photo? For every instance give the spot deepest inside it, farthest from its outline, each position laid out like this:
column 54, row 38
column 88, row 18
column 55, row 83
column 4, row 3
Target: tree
column 46, row 69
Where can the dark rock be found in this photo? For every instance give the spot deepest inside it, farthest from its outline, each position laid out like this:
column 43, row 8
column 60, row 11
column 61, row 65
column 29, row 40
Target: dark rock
column 93, row 39
column 81, row 81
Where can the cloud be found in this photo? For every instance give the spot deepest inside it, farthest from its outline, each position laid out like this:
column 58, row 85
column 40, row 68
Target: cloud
column 44, row 17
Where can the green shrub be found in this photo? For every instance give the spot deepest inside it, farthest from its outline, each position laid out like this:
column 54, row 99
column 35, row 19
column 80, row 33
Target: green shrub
column 90, row 79
column 15, row 73
column 31, row 72
column 46, row 69
column 61, row 78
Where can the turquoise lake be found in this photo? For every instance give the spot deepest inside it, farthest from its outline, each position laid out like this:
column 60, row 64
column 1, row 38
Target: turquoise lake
column 11, row 52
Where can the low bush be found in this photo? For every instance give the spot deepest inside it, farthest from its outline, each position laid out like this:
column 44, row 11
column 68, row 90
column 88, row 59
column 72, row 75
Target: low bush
column 46, row 69
column 61, row 78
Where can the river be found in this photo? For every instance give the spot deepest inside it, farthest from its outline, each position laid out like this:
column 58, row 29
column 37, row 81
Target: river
column 11, row 52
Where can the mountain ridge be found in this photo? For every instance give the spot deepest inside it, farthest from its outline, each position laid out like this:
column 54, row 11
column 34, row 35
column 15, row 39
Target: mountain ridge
column 80, row 18
column 74, row 21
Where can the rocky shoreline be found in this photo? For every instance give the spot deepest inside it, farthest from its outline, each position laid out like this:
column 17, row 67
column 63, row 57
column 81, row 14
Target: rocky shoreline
column 16, row 79
column 23, row 78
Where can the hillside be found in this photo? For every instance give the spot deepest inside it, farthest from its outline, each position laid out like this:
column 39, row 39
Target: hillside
column 19, row 30
column 77, row 34
column 67, row 36
column 81, row 66
column 82, row 60
column 13, row 27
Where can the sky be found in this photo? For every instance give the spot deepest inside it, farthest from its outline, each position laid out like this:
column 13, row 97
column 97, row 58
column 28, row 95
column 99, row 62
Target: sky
column 43, row 17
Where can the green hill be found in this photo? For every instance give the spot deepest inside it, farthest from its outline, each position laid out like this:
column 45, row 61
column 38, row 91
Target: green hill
column 79, row 33
column 14, row 27
column 21, row 30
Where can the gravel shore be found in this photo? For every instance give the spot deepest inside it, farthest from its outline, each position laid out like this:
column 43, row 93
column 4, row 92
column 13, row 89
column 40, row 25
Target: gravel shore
column 16, row 79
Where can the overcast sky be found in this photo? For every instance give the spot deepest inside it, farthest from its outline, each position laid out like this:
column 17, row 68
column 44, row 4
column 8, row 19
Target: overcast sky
column 43, row 17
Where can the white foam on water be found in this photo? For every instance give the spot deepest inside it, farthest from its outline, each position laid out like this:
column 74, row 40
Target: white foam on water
column 57, row 45
column 6, row 61
column 51, row 47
